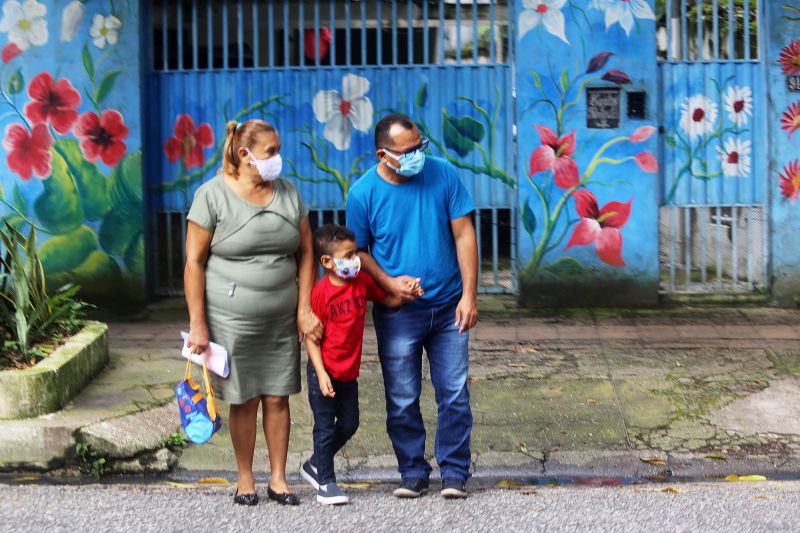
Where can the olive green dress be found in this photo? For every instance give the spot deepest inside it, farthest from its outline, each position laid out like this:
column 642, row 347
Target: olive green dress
column 251, row 287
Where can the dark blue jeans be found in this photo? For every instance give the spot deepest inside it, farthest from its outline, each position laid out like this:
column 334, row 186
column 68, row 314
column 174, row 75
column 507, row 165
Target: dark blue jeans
column 402, row 334
column 335, row 421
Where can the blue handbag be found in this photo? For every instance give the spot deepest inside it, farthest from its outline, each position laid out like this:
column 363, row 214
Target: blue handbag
column 199, row 415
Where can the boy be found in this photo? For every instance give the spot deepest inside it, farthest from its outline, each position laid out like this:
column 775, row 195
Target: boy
column 339, row 299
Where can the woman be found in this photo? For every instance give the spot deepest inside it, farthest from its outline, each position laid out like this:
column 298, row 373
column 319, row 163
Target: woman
column 248, row 279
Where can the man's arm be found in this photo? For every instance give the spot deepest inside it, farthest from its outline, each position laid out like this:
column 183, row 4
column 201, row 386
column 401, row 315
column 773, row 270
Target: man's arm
column 467, row 252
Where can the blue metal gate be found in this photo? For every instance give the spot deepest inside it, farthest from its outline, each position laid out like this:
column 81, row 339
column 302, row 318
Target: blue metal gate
column 305, row 66
column 713, row 229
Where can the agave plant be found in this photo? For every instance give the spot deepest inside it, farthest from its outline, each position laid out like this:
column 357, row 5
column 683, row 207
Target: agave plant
column 27, row 313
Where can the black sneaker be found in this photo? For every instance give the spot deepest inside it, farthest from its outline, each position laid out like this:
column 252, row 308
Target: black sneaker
column 309, row 473
column 454, row 488
column 411, row 487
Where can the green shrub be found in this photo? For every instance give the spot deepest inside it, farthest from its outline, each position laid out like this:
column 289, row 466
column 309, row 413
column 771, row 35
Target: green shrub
column 28, row 315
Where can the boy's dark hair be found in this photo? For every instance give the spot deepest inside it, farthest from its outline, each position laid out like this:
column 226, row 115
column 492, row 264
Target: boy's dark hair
column 382, row 137
column 328, row 235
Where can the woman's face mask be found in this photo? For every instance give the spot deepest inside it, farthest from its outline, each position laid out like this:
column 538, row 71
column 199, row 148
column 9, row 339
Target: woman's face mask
column 411, row 162
column 268, row 169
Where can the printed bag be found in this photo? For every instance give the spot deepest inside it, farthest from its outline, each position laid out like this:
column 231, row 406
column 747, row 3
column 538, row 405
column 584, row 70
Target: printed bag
column 199, row 415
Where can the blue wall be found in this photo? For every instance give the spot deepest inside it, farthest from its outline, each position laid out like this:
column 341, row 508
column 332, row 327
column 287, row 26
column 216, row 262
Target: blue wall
column 74, row 169
column 572, row 252
column 783, row 47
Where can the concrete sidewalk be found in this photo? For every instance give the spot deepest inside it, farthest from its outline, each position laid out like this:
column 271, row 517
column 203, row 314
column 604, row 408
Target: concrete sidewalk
column 680, row 391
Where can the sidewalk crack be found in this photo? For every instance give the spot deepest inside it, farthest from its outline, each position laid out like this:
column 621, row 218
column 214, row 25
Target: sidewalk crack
column 617, row 401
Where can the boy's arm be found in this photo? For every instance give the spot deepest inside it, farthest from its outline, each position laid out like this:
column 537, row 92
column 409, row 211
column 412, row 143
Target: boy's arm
column 315, row 356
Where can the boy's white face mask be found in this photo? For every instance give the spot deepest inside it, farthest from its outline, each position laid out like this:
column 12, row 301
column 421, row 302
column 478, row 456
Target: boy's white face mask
column 347, row 268
column 268, row 169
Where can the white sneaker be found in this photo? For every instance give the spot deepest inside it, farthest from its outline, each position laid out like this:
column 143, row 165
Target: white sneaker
column 331, row 494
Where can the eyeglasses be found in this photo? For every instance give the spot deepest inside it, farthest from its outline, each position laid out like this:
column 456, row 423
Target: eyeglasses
column 423, row 145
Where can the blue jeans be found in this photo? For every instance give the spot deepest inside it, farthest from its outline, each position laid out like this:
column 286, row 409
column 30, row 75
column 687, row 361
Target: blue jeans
column 335, row 421
column 402, row 334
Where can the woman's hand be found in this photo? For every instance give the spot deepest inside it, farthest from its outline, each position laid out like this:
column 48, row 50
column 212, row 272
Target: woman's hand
column 198, row 338
column 309, row 326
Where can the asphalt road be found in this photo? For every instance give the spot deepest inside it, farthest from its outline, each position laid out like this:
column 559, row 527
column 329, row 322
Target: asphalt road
column 156, row 506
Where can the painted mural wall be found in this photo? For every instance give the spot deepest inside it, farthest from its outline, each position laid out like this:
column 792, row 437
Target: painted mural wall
column 587, row 195
column 71, row 165
column 783, row 57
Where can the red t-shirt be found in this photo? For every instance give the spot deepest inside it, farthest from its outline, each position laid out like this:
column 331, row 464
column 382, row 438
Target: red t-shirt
column 342, row 310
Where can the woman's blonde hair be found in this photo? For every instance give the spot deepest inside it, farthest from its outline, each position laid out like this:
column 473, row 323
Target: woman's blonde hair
column 239, row 134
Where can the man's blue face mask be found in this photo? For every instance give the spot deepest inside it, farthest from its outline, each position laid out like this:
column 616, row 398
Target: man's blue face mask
column 411, row 162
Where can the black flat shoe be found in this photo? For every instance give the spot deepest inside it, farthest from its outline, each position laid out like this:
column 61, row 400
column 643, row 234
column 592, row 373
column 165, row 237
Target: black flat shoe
column 246, row 499
column 284, row 498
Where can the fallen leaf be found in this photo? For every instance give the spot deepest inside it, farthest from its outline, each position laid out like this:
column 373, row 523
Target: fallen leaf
column 716, row 456
column 523, row 447
column 213, row 481
column 671, row 490
column 527, row 491
column 591, row 401
column 360, row 486
column 516, row 365
column 653, row 460
column 181, row 485
column 26, row 478
column 734, row 477
column 509, row 484
column 765, row 498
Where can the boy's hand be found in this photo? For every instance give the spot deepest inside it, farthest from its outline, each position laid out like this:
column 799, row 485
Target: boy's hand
column 414, row 287
column 325, row 385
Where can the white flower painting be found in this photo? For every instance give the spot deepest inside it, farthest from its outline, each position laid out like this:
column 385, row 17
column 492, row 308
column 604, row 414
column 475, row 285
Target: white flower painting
column 343, row 111
column 546, row 13
column 105, row 30
column 25, row 23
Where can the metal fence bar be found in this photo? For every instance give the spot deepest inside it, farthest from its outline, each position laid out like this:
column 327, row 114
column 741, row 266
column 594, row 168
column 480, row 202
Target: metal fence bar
column 684, row 33
column 240, row 33
column 746, row 28
column 672, row 247
column 394, row 33
column 750, row 241
column 492, row 57
column 179, row 33
column 271, row 32
column 165, row 37
column 410, row 30
column 495, row 249
column 441, row 32
column 687, row 245
column 210, row 33
column 348, row 39
column 478, row 233
column 285, row 33
column 700, row 47
column 702, row 216
column 715, row 27
column 731, row 30
column 425, row 37
column 719, row 245
column 379, row 32
column 332, row 9
column 735, row 245
column 195, row 64
column 668, row 14
column 317, row 44
column 458, row 31
column 475, row 32
column 364, row 33
column 225, row 42
column 254, row 13
column 301, row 33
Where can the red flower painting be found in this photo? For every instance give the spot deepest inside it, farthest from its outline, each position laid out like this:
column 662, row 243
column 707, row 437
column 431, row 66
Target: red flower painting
column 600, row 226
column 790, row 122
column 188, row 142
column 10, row 51
column 789, row 58
column 555, row 154
column 790, row 180
column 53, row 101
column 29, row 151
column 102, row 137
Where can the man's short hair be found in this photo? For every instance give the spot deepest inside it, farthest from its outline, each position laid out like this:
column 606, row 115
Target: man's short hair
column 382, row 137
column 327, row 236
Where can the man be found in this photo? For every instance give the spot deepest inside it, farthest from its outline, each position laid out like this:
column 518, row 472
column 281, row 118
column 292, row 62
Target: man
column 412, row 215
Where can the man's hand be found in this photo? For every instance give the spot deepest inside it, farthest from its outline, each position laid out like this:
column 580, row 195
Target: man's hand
column 406, row 288
column 467, row 313
column 325, row 385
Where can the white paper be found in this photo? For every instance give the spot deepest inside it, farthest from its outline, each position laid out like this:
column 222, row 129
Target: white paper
column 215, row 355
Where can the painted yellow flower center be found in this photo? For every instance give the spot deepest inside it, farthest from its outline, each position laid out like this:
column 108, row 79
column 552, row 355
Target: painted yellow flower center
column 103, row 31
column 25, row 25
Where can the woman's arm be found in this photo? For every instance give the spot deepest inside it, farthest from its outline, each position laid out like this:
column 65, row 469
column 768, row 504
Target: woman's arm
column 198, row 242
column 308, row 325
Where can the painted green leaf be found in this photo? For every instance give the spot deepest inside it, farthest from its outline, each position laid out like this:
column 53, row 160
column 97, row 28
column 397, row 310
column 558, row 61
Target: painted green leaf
column 564, row 80
column 460, row 134
column 91, row 182
column 134, row 256
column 669, row 140
column 117, row 231
column 98, row 273
column 566, row 268
column 19, row 200
column 106, row 86
column 528, row 218
column 537, row 79
column 125, row 186
column 15, row 82
column 422, row 95
column 88, row 63
column 2, row 192
column 59, row 207
column 65, row 252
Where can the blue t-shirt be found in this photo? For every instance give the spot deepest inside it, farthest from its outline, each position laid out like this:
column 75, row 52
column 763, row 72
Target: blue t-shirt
column 407, row 229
